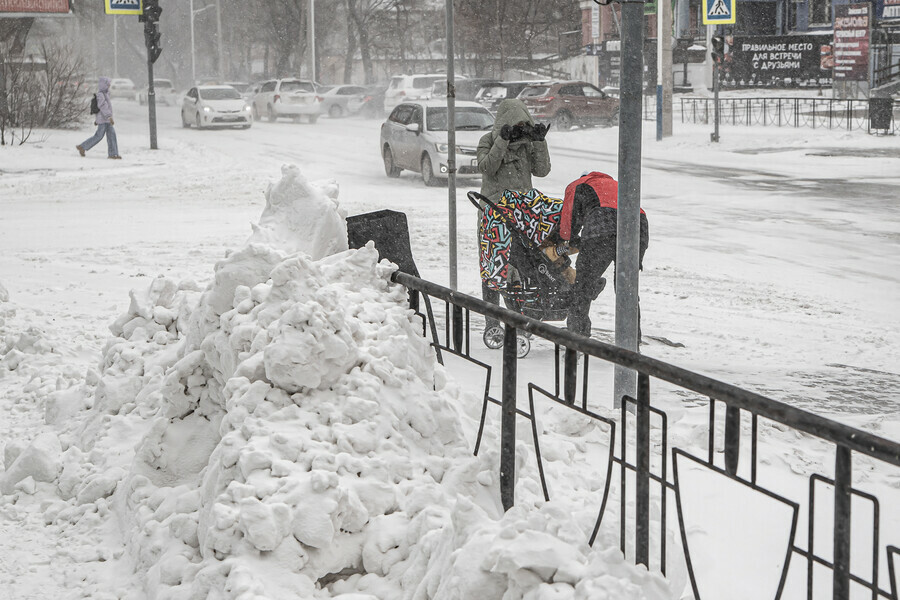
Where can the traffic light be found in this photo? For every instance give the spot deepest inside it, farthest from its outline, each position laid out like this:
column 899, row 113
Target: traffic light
column 152, row 11
column 718, row 48
column 151, row 39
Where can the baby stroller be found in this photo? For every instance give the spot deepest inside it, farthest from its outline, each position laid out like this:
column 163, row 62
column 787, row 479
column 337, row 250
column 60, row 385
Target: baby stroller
column 519, row 231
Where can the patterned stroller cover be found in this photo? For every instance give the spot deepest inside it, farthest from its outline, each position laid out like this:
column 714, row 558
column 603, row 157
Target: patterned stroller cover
column 533, row 213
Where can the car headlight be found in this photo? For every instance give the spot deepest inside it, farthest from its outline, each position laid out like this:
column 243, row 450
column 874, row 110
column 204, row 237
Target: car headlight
column 247, row 108
column 442, row 148
column 207, row 109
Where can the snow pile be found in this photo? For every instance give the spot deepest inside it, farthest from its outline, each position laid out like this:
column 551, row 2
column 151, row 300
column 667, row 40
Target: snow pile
column 287, row 433
column 4, row 293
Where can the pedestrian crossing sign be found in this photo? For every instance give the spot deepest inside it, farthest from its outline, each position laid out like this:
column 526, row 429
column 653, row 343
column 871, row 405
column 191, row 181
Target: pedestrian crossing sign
column 718, row 12
column 124, row 7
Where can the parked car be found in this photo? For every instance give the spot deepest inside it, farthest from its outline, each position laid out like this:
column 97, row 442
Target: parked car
column 240, row 86
column 370, row 104
column 465, row 88
column 491, row 94
column 410, row 87
column 121, row 88
column 336, row 99
column 414, row 137
column 215, row 106
column 163, row 89
column 571, row 103
column 286, row 98
column 251, row 91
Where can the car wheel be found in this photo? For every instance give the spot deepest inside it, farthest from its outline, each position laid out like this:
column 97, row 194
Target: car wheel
column 245, row 127
column 564, row 121
column 428, row 172
column 271, row 115
column 389, row 168
column 335, row 112
column 198, row 122
column 313, row 119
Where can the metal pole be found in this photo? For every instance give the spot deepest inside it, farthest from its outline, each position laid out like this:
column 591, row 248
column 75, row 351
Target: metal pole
column 628, row 229
column 666, row 77
column 843, row 482
column 221, row 46
column 451, row 146
column 715, row 136
column 311, row 28
column 151, row 99
column 115, row 46
column 193, row 56
column 508, row 420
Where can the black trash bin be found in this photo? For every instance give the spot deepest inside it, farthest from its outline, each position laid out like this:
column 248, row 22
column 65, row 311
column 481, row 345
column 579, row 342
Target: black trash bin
column 880, row 113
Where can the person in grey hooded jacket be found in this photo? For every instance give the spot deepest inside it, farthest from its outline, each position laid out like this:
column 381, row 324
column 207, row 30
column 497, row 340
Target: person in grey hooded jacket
column 104, row 122
column 513, row 151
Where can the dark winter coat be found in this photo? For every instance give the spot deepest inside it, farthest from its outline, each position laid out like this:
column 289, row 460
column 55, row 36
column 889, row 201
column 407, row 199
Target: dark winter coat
column 509, row 165
column 590, row 210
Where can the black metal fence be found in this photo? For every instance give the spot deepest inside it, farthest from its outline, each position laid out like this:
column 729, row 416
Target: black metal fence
column 634, row 454
column 821, row 113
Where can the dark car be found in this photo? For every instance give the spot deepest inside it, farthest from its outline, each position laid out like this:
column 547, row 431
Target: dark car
column 571, row 103
column 492, row 93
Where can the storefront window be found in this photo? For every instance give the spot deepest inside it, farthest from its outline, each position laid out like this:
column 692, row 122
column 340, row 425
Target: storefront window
column 820, row 12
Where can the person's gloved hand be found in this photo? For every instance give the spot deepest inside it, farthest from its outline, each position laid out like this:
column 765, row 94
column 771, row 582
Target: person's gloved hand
column 539, row 131
column 506, row 132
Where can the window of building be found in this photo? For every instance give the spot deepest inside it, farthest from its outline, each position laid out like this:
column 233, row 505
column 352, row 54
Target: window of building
column 820, row 12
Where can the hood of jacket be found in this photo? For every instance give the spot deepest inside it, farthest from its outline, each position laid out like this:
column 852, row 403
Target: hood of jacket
column 103, row 84
column 510, row 112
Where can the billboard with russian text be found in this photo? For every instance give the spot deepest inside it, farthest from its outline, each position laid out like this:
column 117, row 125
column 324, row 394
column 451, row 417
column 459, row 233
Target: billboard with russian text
column 776, row 60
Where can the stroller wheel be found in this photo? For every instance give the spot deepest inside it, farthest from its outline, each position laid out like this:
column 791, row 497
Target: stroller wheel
column 493, row 337
column 523, row 346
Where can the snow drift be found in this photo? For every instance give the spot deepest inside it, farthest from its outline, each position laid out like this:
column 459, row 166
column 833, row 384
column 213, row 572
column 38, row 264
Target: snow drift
column 287, row 433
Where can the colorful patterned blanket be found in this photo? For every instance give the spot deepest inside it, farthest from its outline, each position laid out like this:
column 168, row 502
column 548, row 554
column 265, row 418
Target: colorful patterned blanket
column 532, row 213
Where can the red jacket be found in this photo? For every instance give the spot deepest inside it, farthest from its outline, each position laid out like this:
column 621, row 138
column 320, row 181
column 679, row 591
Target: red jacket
column 607, row 192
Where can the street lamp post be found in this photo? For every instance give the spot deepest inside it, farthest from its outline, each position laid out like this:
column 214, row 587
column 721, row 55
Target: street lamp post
column 193, row 58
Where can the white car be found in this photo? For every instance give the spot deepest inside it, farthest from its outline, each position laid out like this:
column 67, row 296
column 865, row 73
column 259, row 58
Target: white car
column 121, row 88
column 164, row 91
column 215, row 106
column 403, row 88
column 415, row 137
column 341, row 100
column 286, row 98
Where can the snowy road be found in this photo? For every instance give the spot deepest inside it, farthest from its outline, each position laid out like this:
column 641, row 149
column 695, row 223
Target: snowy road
column 771, row 253
column 772, row 263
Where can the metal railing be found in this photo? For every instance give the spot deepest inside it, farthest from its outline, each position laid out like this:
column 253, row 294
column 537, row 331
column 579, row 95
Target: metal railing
column 453, row 338
column 827, row 113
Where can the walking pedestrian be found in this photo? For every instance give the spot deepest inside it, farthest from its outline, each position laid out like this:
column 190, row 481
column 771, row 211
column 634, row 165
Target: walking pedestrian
column 589, row 222
column 513, row 151
column 104, row 121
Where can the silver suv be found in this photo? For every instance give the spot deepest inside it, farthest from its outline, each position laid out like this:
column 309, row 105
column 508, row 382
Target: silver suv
column 286, row 98
column 415, row 138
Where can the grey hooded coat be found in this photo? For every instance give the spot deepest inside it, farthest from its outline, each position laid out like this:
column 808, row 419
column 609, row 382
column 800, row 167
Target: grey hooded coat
column 509, row 165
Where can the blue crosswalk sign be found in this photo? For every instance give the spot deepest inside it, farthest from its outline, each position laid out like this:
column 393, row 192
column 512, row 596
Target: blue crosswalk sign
column 718, row 12
column 124, row 7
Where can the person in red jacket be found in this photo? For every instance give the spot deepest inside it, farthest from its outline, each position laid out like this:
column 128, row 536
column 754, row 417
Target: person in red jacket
column 589, row 222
